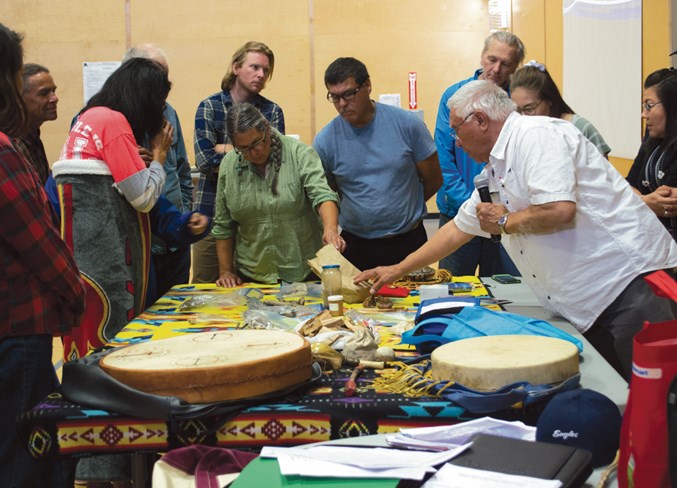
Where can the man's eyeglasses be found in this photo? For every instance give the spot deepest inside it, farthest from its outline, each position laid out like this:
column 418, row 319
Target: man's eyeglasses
column 649, row 105
column 347, row 96
column 529, row 109
column 255, row 146
column 454, row 134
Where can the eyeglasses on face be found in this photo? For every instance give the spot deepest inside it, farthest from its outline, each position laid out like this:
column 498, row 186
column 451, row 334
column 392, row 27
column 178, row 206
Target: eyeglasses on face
column 254, row 146
column 347, row 95
column 454, row 134
column 649, row 105
column 530, row 108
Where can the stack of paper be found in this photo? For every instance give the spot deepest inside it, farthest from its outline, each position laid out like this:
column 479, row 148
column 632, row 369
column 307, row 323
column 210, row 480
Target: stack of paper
column 356, row 462
column 451, row 436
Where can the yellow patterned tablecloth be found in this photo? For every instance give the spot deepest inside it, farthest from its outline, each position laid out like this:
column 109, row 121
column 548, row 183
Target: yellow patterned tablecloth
column 165, row 318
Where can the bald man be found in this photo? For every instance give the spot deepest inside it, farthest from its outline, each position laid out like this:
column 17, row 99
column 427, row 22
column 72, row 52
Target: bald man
column 172, row 265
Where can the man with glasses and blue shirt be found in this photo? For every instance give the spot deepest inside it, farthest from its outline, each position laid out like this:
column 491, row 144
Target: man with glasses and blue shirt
column 502, row 54
column 383, row 162
column 250, row 68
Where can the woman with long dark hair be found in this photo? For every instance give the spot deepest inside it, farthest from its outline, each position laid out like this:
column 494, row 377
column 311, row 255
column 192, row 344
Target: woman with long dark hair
column 41, row 294
column 653, row 174
column 106, row 192
column 535, row 93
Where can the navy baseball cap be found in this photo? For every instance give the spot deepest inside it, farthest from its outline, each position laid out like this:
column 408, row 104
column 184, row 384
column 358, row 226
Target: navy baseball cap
column 585, row 419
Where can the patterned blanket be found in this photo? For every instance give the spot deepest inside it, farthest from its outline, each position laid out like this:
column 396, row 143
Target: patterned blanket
column 57, row 427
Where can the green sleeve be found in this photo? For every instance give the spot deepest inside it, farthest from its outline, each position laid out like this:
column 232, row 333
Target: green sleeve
column 312, row 176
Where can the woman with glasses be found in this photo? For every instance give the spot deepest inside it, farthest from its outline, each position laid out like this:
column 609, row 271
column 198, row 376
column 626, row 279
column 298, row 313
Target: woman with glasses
column 653, row 174
column 535, row 93
column 271, row 191
column 250, row 69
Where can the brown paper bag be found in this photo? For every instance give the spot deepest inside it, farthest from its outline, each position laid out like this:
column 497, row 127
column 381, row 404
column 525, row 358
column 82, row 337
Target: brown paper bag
column 329, row 255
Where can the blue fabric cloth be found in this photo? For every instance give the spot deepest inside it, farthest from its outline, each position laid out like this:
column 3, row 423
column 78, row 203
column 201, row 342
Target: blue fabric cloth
column 210, row 129
column 446, row 306
column 26, row 377
column 374, row 169
column 479, row 321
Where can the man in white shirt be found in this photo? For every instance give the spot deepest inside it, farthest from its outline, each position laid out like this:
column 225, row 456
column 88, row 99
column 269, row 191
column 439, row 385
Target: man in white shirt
column 580, row 237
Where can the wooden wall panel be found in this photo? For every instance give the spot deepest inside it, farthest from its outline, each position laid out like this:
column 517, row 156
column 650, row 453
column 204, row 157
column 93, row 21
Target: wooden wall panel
column 61, row 35
column 528, row 22
column 200, row 38
column 439, row 39
column 554, row 40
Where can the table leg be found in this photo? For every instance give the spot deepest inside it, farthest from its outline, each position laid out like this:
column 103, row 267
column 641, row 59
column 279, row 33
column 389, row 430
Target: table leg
column 139, row 470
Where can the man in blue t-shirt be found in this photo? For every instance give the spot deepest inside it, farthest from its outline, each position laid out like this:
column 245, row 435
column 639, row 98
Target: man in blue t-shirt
column 383, row 162
column 502, row 54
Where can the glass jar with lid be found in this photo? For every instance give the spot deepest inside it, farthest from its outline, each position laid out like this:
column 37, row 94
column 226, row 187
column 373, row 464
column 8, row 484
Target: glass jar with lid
column 331, row 282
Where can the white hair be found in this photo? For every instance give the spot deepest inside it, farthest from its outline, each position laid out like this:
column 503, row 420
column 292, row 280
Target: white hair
column 147, row 51
column 482, row 95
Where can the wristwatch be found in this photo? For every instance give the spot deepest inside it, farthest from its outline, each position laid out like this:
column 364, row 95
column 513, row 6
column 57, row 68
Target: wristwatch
column 502, row 222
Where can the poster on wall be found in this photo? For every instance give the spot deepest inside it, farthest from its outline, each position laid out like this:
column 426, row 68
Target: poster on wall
column 94, row 74
column 603, row 68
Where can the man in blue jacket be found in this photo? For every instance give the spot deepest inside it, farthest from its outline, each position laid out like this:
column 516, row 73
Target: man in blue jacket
column 503, row 52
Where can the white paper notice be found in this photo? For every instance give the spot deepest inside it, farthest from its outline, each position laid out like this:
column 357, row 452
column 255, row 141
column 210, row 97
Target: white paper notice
column 390, row 99
column 94, row 75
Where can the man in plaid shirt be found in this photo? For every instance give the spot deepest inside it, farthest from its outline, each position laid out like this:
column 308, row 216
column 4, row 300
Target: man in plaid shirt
column 251, row 66
column 41, row 294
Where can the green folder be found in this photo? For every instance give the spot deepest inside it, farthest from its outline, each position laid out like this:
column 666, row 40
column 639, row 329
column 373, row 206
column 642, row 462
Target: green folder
column 266, row 473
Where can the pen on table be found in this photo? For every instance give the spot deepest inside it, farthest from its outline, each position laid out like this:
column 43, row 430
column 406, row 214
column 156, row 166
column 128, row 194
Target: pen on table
column 351, row 384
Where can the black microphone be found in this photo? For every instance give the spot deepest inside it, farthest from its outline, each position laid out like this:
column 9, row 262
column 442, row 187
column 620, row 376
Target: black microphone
column 482, row 184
